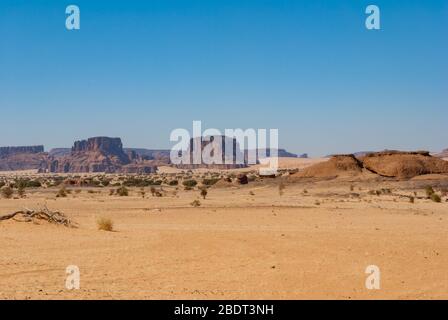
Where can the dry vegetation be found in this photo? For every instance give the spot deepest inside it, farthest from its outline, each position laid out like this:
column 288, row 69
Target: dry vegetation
column 237, row 235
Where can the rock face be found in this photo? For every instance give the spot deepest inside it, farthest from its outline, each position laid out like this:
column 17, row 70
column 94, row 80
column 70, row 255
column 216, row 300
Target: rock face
column 8, row 151
column 338, row 165
column 151, row 154
column 98, row 154
column 393, row 164
column 281, row 153
column 404, row 165
column 22, row 158
column 213, row 154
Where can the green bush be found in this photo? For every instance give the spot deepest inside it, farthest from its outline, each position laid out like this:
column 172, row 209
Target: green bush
column 429, row 191
column 190, row 183
column 123, row 191
column 436, row 198
column 210, row 182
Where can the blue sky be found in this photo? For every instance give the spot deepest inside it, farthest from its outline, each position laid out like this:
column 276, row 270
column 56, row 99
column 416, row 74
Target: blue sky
column 139, row 69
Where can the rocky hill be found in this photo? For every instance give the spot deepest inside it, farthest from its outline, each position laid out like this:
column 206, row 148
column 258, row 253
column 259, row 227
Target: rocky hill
column 98, row 154
column 22, row 158
column 391, row 164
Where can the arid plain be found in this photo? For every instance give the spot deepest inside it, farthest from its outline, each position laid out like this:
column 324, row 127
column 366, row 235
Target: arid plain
column 282, row 238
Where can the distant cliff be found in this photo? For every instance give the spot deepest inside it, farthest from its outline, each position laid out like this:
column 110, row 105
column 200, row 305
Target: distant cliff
column 98, row 154
column 22, row 158
column 8, row 151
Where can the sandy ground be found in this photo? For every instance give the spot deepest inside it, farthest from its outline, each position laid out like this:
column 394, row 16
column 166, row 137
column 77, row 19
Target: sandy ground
column 246, row 242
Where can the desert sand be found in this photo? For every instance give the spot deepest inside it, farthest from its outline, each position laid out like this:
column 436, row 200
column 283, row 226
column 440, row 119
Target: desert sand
column 305, row 240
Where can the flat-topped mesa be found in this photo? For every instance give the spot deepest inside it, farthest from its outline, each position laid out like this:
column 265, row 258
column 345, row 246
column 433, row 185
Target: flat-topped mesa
column 101, row 144
column 214, row 156
column 106, row 146
column 99, row 154
column 22, row 158
column 8, row 151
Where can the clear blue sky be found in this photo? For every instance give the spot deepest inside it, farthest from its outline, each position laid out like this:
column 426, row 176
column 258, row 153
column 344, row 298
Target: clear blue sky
column 138, row 69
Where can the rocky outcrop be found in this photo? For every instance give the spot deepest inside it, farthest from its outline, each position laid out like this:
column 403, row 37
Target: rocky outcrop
column 392, row 164
column 404, row 165
column 9, row 151
column 22, row 158
column 223, row 154
column 151, row 154
column 337, row 166
column 281, row 153
column 98, row 154
column 59, row 152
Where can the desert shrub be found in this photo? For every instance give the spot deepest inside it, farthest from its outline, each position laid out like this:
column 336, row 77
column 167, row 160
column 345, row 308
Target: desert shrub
column 111, row 192
column 251, row 193
column 411, row 199
column 157, row 182
column 158, row 194
column 78, row 191
column 7, row 192
column 122, row 191
column 62, row 193
column 209, row 182
column 2, row 184
column 142, row 192
column 105, row 183
column 105, row 224
column 429, row 191
column 444, row 191
column 173, row 183
column 137, row 182
column 195, row 203
column 204, row 193
column 190, row 183
column 33, row 184
column 436, row 198
column 21, row 190
column 352, row 187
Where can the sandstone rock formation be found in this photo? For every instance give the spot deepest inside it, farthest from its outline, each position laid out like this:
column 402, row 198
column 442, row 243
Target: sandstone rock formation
column 393, row 164
column 22, row 158
column 338, row 165
column 215, row 152
column 404, row 165
column 98, row 154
